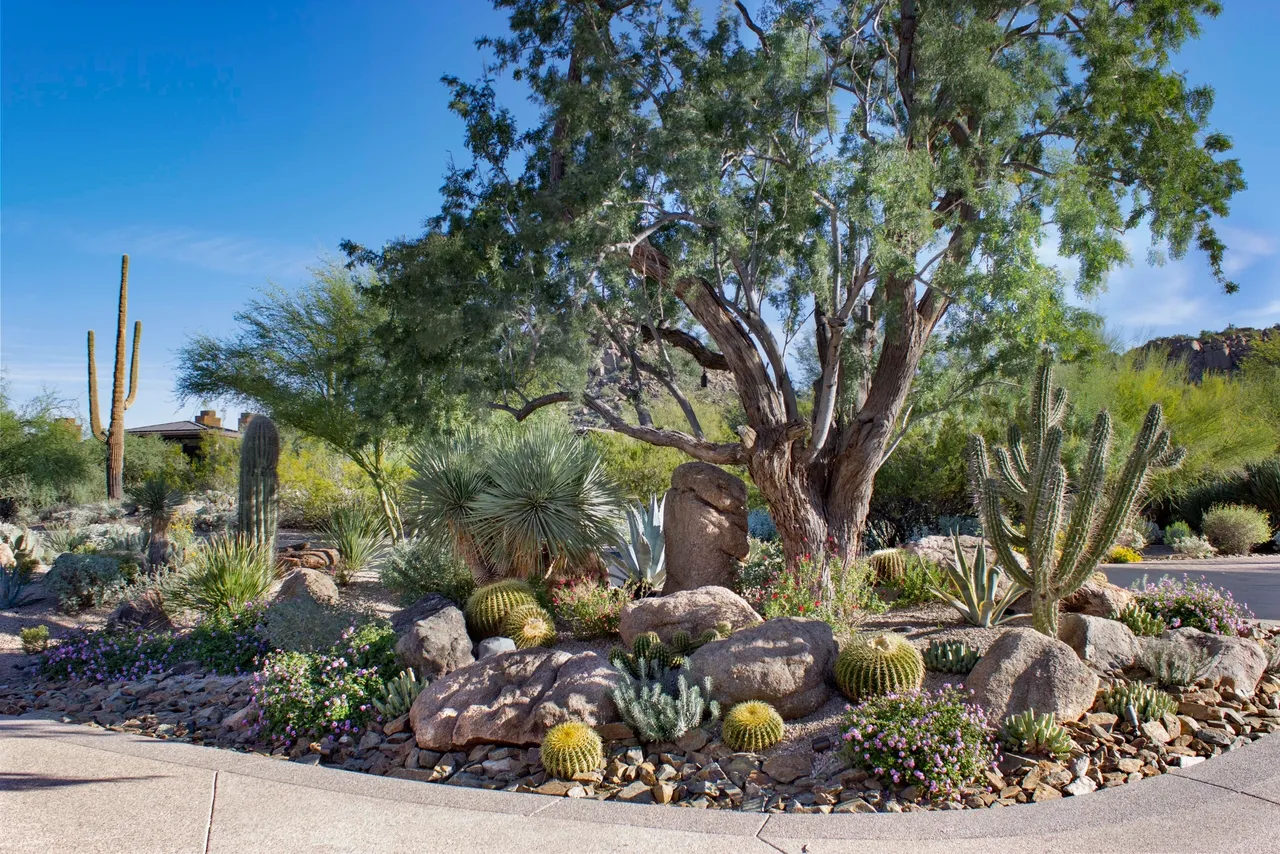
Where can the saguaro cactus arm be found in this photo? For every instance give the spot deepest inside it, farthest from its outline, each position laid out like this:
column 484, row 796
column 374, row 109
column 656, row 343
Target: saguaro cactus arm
column 133, row 365
column 95, row 419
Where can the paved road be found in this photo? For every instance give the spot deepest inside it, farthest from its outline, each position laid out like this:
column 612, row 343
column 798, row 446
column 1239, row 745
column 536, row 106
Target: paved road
column 1254, row 581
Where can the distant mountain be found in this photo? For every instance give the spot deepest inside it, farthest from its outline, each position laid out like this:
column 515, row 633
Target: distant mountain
column 1212, row 351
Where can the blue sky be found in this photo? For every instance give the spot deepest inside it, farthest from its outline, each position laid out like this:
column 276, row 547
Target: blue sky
column 231, row 144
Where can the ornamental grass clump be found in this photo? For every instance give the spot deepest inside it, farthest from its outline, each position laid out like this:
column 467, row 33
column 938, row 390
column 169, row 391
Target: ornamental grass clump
column 1194, row 604
column 931, row 739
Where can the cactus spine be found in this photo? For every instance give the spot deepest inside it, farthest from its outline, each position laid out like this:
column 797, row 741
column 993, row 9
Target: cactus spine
column 259, row 508
column 114, row 434
column 752, row 726
column 882, row 664
column 1035, row 481
column 488, row 606
column 570, row 749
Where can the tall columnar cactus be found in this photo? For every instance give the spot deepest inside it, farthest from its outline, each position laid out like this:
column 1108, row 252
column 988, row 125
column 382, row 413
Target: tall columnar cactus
column 1033, row 479
column 114, row 434
column 259, row 507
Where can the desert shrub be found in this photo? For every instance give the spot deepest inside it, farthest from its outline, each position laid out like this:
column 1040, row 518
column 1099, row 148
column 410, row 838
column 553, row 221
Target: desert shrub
column 1176, row 531
column 43, row 461
column 1123, row 554
column 915, row 585
column 150, row 457
column 776, row 591
column 932, row 739
column 1198, row 605
column 640, row 469
column 1235, row 528
column 359, row 535
column 304, row 625
column 81, row 581
column 1131, row 538
column 764, row 562
column 1194, row 547
column 760, row 525
column 589, row 609
column 419, row 566
column 225, row 575
column 314, row 481
column 35, row 639
column 370, row 643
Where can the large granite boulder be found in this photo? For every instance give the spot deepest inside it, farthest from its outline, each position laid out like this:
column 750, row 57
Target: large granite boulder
column 1097, row 598
column 437, row 644
column 784, row 662
column 1025, row 670
column 310, row 583
column 941, row 549
column 513, row 698
column 1107, row 645
column 422, row 607
column 1241, row 661
column 692, row 611
column 704, row 523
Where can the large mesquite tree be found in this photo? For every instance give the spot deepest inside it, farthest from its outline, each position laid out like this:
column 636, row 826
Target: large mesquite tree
column 877, row 172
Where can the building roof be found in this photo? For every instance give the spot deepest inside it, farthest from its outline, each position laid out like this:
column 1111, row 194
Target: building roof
column 180, row 429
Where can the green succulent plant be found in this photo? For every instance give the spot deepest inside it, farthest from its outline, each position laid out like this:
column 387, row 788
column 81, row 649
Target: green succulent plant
column 973, row 588
column 1036, row 734
column 950, row 656
column 646, row 647
column 752, row 726
column 662, row 704
column 641, row 560
column 1173, row 665
column 1149, row 703
column 682, row 643
column 258, row 510
column 869, row 666
column 888, row 565
column 529, row 626
column 398, row 694
column 488, row 606
column 571, row 748
column 1140, row 621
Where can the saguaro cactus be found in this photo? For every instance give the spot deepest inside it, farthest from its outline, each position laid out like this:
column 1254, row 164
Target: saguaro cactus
column 114, row 435
column 1034, row 479
column 259, row 509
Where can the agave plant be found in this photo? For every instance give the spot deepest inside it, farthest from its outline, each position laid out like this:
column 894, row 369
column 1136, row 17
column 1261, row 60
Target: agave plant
column 641, row 561
column 157, row 501
column 973, row 590
column 226, row 574
column 359, row 535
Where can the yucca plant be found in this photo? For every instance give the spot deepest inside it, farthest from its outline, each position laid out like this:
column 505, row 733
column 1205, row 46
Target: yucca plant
column 973, row 589
column 63, row 538
column 226, row 574
column 157, row 499
column 359, row 535
column 441, row 494
column 642, row 559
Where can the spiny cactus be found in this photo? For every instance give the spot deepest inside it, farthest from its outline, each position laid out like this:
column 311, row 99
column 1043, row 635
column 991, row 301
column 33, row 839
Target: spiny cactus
column 645, row 647
column 868, row 666
column 973, row 589
column 1038, row 734
column 114, row 435
column 659, row 709
column 1140, row 621
column 1035, row 481
column 571, row 748
column 1148, row 703
column 488, row 606
column 950, row 656
column 683, row 643
column 888, row 565
column 258, row 512
column 398, row 694
column 642, row 559
column 529, row 626
column 752, row 726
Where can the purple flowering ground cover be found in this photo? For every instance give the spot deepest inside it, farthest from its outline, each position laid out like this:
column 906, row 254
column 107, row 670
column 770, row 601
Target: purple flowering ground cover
column 1194, row 604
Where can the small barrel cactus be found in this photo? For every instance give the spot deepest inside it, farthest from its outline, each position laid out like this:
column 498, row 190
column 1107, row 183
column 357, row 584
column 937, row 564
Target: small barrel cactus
column 1149, row 703
column 752, row 727
column 888, row 565
column 1036, row 734
column 529, row 626
column 571, row 748
column 881, row 664
column 1141, row 621
column 489, row 605
column 950, row 656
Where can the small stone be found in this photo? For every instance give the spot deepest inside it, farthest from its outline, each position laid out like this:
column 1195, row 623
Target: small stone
column 633, row 756
column 636, row 793
column 1129, row 766
column 308, row 759
column 400, row 724
column 1185, row 761
column 692, row 740
column 1045, row 792
column 576, row 791
column 615, row 731
column 558, row 788
column 1079, row 766
column 494, row 646
column 664, row 792
column 788, row 767
column 369, row 741
column 1155, row 731
column 1080, row 786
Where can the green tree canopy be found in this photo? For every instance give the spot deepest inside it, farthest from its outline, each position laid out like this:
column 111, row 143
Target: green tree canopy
column 706, row 187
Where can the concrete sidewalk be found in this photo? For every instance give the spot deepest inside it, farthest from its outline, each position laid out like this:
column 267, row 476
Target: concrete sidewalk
column 70, row 788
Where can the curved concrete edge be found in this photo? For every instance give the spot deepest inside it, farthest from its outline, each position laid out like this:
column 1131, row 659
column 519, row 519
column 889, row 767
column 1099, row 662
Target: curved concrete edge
column 70, row 788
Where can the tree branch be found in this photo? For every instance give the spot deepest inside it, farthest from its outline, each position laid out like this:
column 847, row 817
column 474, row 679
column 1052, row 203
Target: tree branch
column 532, row 406
column 702, row 354
column 717, row 453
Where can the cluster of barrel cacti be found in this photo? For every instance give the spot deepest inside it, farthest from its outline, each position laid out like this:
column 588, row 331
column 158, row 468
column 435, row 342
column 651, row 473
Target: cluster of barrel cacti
column 950, row 656
column 880, row 664
column 888, row 565
column 752, row 726
column 571, row 748
column 529, row 625
column 646, row 647
column 488, row 607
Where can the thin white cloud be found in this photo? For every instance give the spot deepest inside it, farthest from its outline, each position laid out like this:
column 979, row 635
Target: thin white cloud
column 220, row 253
column 1245, row 247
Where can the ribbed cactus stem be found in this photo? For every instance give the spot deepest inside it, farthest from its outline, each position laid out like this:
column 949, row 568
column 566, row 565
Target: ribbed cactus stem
column 113, row 435
column 259, row 507
column 1037, row 486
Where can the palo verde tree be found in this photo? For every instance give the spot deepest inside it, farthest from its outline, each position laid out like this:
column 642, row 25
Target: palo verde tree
column 310, row 360
column 875, row 171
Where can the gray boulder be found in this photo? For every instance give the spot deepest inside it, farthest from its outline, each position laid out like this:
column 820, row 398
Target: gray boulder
column 1241, row 663
column 1098, row 598
column 1025, row 670
column 783, row 662
column 494, row 646
column 1106, row 644
column 692, row 611
column 421, row 608
column 311, row 583
column 513, row 698
column 704, row 523
column 437, row 644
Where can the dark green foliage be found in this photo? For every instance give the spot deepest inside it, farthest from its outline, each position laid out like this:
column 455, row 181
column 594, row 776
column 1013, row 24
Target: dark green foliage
column 359, row 534
column 81, row 581
column 1176, row 531
column 42, row 458
column 950, row 656
column 226, row 575
column 1234, row 529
